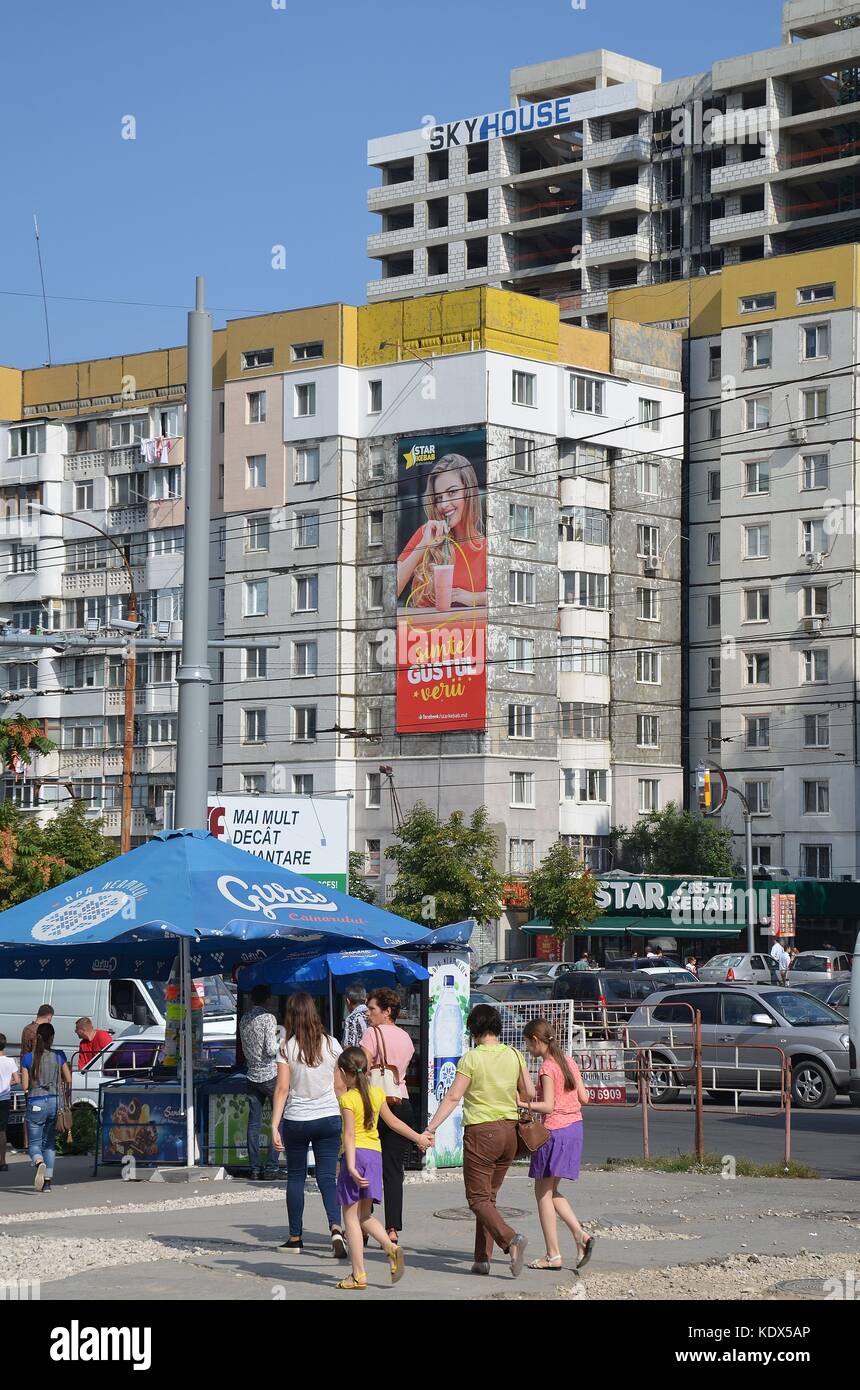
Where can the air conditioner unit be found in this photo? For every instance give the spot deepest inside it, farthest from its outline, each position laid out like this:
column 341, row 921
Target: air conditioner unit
column 798, row 434
column 651, row 565
column 814, row 624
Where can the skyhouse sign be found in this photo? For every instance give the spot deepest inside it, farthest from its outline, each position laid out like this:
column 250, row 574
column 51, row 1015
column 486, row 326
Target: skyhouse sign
column 517, row 120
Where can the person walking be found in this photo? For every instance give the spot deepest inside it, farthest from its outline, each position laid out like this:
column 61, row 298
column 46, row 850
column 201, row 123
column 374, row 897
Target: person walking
column 359, row 1179
column 491, row 1081
column 355, row 1023
column 259, row 1034
column 93, row 1041
column 9, row 1077
column 387, row 1044
column 46, row 1079
column 305, row 1112
column 562, row 1097
column 28, row 1037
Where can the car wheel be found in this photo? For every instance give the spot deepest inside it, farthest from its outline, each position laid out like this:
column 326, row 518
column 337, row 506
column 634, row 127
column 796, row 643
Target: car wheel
column 661, row 1083
column 811, row 1086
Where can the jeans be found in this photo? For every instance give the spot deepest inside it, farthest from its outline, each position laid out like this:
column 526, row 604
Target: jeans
column 395, row 1150
column 324, row 1136
column 258, row 1093
column 41, row 1130
column 489, row 1149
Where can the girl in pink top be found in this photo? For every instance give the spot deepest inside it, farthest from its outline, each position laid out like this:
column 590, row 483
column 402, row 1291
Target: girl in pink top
column 562, row 1096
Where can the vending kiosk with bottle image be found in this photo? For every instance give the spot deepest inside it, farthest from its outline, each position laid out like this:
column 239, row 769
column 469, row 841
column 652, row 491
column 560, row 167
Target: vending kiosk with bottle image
column 448, row 1010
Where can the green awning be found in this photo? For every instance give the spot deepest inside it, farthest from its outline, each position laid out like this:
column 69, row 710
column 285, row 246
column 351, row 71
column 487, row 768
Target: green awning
column 637, row 926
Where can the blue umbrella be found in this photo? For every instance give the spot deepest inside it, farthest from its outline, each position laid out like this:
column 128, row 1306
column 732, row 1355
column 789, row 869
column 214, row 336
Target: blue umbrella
column 309, row 968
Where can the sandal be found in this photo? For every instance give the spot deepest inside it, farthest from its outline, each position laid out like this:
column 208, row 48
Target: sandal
column 392, row 1235
column 350, row 1282
column 546, row 1262
column 397, row 1262
column 587, row 1251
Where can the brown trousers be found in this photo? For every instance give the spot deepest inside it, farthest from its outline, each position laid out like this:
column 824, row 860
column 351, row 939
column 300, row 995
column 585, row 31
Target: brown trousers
column 488, row 1152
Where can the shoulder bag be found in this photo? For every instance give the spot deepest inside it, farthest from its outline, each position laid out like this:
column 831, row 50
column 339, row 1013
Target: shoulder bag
column 531, row 1131
column 63, row 1123
column 383, row 1073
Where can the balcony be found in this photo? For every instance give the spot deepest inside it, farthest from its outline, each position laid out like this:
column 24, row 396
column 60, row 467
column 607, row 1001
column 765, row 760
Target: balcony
column 614, row 151
column 742, row 224
column 618, row 248
column 396, row 240
column 115, row 700
column 94, row 583
column 161, row 699
column 93, row 463
column 166, row 511
column 744, row 171
column 394, row 285
column 399, row 193
column 122, row 520
column 32, row 468
column 632, row 196
column 32, row 586
column 140, row 822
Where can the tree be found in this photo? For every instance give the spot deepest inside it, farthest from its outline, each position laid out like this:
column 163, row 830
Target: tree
column 35, row 857
column 446, row 869
column 563, row 891
column 358, row 884
column 18, row 736
column 679, row 844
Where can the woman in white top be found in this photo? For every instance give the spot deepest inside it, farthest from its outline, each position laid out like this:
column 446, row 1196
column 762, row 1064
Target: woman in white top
column 306, row 1110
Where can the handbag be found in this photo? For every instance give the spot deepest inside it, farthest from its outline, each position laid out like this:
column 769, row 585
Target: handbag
column 383, row 1073
column 532, row 1133
column 63, row 1122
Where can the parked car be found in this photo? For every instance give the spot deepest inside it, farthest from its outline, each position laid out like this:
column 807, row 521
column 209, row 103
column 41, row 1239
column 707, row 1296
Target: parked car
column 520, row 990
column 640, row 962
column 758, row 968
column 666, row 976
column 815, row 967
column 547, row 969
column 512, row 1028
column 736, row 1022
column 837, row 994
column 500, row 970
column 603, row 996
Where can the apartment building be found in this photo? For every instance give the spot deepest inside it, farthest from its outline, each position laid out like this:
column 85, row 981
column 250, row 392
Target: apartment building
column 773, row 561
column 600, row 174
column 575, row 442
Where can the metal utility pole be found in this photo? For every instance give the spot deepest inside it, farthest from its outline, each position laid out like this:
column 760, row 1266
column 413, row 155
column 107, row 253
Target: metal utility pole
column 711, row 806
column 194, row 676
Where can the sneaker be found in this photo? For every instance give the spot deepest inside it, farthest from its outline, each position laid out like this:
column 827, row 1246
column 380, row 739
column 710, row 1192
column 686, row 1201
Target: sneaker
column 338, row 1244
column 294, row 1246
column 39, row 1179
column 271, row 1173
column 516, row 1251
column 48, row 1187
column 255, row 1175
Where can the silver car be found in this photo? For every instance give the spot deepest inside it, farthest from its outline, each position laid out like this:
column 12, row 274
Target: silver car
column 755, row 969
column 739, row 1024
column 818, row 967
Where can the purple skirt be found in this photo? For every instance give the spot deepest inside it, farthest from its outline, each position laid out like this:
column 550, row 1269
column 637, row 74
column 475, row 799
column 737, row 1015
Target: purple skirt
column 368, row 1162
column 561, row 1155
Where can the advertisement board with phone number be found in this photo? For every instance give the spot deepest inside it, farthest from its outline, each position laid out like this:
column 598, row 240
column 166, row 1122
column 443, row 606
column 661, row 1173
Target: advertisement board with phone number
column 602, row 1070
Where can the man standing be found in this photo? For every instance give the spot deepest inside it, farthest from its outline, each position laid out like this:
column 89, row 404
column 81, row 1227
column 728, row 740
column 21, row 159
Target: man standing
column 355, row 1023
column 92, row 1040
column 258, row 1030
column 584, row 962
column 780, row 955
column 28, row 1037
column 8, row 1078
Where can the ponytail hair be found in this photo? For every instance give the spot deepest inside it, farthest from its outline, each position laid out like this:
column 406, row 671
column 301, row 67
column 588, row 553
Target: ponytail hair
column 542, row 1032
column 44, row 1042
column 353, row 1063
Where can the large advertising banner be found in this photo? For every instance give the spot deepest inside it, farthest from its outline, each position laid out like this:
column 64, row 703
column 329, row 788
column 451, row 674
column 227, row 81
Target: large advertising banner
column 308, row 834
column 442, row 582
column 448, row 989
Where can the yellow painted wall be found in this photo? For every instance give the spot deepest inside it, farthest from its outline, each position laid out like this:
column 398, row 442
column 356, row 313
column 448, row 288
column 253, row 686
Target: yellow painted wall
column 583, row 347
column 279, row 331
column 11, row 389
column 699, row 300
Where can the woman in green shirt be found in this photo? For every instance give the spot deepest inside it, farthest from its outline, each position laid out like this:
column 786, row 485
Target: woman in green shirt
column 492, row 1081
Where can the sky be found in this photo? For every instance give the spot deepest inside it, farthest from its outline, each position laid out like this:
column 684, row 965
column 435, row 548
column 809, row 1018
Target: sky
column 250, row 123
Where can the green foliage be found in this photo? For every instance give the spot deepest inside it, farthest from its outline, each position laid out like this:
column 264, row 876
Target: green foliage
column 711, row 1165
column 34, row 857
column 678, row 844
column 358, row 884
column 563, row 891
column 446, row 869
column 19, row 739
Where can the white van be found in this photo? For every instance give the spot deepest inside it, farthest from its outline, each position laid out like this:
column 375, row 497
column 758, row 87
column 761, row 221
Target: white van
column 123, row 1008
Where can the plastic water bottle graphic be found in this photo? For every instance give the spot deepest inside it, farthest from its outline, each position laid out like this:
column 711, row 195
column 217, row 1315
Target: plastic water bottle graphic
column 447, row 1039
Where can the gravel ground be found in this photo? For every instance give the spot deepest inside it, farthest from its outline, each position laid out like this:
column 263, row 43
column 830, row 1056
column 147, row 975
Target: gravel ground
column 37, row 1259
column 745, row 1277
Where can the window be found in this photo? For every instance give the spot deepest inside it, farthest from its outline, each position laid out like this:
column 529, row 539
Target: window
column 307, row 465
column 815, row 471
column 306, row 593
column 713, row 547
column 761, row 856
column 521, row 856
column 522, row 522
column 520, row 721
column 815, row 601
column 24, row 559
column 714, row 673
column 758, row 413
column 373, row 790
column 25, row 440
column 584, row 589
column 254, row 783
column 307, row 530
column 813, row 538
column 524, row 388
column 83, row 497
column 756, row 478
column 257, row 533
column 256, row 664
column 813, row 294
column 128, row 431
column 168, row 540
column 814, row 341
column 714, row 486
column 220, row 480
column 756, row 605
column 758, row 731
column 649, row 413
column 255, row 358
column 758, row 668
column 374, row 591
column 21, row 675
column 305, row 399
column 221, row 417
column 715, row 739
column 587, row 654
column 522, row 789
column 521, row 654
column 373, row 721
column 375, row 649
column 715, row 427
column 588, row 524
column 647, row 730
column 813, row 404
column 758, row 303
column 583, row 721
column 88, row 672
column 523, row 455
column 756, row 542
column 256, row 470
column 256, row 407
column 649, row 794
column 816, row 797
column 648, row 542
column 372, row 858
column 306, row 352
column 713, row 610
column 815, row 666
column 715, row 362
column 816, row 731
column 647, row 478
column 303, row 784
column 590, row 460
column 592, row 784
column 757, row 794
column 128, row 489
column 376, row 461
column 815, row 861
column 586, row 395
column 648, row 605
column 521, row 587
column 304, row 723
column 375, row 523
column 648, row 668
column 374, row 397
column 221, row 607
column 305, row 658
column 757, row 350
column 165, row 484
column 256, row 598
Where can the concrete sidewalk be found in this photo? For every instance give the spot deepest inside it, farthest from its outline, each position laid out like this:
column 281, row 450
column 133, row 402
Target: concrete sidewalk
column 109, row 1239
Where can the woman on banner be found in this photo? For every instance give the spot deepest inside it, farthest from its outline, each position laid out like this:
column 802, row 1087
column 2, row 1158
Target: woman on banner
column 445, row 561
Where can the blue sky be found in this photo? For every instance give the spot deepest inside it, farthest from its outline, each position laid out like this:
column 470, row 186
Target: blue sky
column 251, row 130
